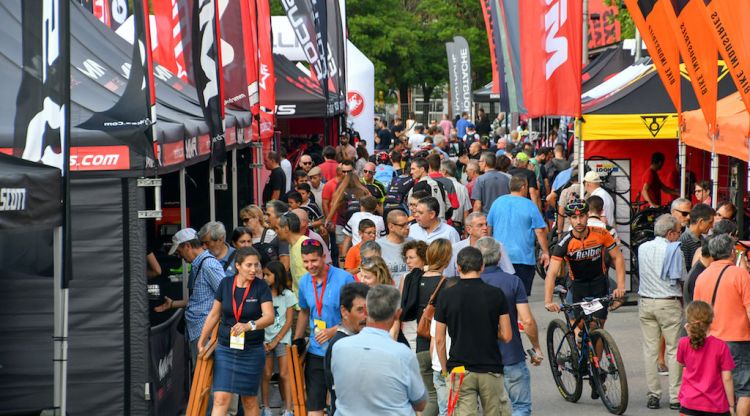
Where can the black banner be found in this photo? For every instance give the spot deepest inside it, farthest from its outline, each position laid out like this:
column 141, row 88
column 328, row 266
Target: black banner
column 168, row 365
column 302, row 18
column 29, row 195
column 336, row 51
column 206, row 59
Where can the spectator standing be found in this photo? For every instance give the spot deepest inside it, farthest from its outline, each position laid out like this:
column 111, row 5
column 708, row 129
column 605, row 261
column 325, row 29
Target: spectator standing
column 345, row 150
column 592, row 183
column 726, row 210
column 314, row 177
column 320, row 314
column 276, row 185
column 414, row 254
column 328, row 167
column 298, row 177
column 290, row 230
column 472, row 173
column 376, row 188
column 701, row 220
column 367, row 206
column 522, row 168
column 243, row 307
column 652, row 184
column 206, row 274
column 393, row 243
column 429, row 227
column 314, row 212
column 475, row 315
column 703, row 192
column 384, row 138
column 433, row 161
column 416, row 139
column 484, row 127
column 680, row 209
column 274, row 210
column 213, row 236
column 367, row 232
column 353, row 308
column 727, row 288
column 305, row 163
column 515, row 222
column 490, row 185
column 476, row 228
column 707, row 378
column 385, row 172
column 446, row 125
column 374, row 374
column 305, row 230
column 423, row 182
column 448, row 170
column 461, row 124
column 661, row 267
column 286, row 166
column 517, row 377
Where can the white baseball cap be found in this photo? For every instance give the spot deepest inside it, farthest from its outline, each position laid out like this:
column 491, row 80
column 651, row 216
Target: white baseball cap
column 182, row 236
column 592, row 177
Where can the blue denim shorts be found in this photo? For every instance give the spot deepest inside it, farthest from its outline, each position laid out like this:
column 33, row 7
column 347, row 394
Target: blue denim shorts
column 741, row 374
column 238, row 371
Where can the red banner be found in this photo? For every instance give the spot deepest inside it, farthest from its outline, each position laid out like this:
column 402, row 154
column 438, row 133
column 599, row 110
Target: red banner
column 698, row 51
column 169, row 52
column 493, row 58
column 604, row 28
column 728, row 19
column 266, row 77
column 551, row 47
column 661, row 42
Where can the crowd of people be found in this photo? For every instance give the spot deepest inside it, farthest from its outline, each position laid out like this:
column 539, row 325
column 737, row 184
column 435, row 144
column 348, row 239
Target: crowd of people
column 410, row 269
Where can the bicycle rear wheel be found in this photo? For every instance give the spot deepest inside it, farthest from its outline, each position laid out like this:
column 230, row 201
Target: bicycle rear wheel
column 563, row 361
column 609, row 375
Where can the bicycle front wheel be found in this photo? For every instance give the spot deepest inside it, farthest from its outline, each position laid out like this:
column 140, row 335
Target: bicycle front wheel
column 609, row 375
column 563, row 360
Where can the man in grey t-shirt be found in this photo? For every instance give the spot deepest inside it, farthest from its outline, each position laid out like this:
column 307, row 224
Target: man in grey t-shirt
column 391, row 245
column 490, row 185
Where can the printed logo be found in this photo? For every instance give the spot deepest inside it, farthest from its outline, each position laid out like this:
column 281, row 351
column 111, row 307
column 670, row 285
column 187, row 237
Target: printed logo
column 557, row 15
column 12, row 199
column 356, row 103
column 654, row 123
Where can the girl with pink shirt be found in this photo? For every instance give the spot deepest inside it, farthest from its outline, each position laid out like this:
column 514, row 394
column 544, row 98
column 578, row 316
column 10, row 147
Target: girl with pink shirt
column 707, row 387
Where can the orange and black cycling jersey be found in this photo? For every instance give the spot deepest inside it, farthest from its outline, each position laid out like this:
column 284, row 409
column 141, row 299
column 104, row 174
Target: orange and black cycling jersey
column 585, row 257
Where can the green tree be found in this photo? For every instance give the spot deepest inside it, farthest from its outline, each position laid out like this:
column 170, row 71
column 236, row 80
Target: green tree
column 627, row 27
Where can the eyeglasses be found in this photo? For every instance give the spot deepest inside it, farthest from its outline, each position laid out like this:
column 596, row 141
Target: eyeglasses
column 403, row 224
column 305, row 163
column 312, row 242
column 368, row 171
column 684, row 213
column 347, row 171
column 246, row 219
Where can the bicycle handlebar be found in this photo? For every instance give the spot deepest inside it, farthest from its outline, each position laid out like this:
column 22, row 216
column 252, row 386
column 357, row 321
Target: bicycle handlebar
column 572, row 306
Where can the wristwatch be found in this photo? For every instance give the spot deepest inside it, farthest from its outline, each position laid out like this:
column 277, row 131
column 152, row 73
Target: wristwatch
column 252, row 325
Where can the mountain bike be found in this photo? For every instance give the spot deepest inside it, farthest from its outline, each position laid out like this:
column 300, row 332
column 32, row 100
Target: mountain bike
column 591, row 354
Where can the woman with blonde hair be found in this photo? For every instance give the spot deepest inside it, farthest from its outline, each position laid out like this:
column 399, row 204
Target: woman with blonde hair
column 373, row 271
column 252, row 218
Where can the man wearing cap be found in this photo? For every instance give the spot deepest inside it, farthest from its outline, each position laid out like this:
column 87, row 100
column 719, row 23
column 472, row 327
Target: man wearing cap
column 205, row 276
column 314, row 177
column 522, row 168
column 592, row 183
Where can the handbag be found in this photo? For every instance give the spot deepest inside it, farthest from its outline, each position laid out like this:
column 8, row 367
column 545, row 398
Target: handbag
column 423, row 328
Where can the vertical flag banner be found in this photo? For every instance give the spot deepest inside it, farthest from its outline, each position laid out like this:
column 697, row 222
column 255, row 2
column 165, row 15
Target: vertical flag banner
column 728, row 20
column 336, row 53
column 266, row 74
column 464, row 98
column 173, row 31
column 239, row 54
column 141, row 17
column 660, row 40
column 487, row 13
column 301, row 16
column 551, row 48
column 206, row 58
column 450, row 49
column 698, row 51
column 509, row 30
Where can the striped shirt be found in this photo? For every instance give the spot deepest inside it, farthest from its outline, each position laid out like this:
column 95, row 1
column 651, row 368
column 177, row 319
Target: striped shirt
column 689, row 245
column 650, row 261
column 202, row 293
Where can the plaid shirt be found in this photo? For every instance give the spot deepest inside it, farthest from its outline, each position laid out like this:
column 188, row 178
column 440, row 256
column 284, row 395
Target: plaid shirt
column 202, row 293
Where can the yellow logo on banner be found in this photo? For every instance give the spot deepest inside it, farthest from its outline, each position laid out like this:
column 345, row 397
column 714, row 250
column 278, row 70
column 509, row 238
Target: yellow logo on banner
column 723, row 70
column 654, row 123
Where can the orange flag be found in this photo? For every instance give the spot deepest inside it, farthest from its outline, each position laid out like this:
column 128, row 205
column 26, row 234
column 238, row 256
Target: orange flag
column 661, row 42
column 728, row 19
column 688, row 20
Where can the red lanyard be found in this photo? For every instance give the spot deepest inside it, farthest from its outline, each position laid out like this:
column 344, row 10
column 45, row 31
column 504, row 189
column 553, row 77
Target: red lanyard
column 319, row 300
column 238, row 311
column 453, row 395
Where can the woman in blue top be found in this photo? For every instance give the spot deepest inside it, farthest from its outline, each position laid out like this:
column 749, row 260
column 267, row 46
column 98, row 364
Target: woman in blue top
column 243, row 307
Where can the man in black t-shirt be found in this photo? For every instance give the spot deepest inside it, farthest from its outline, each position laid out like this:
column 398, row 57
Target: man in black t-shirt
column 522, row 168
column 475, row 315
column 384, row 137
column 277, row 181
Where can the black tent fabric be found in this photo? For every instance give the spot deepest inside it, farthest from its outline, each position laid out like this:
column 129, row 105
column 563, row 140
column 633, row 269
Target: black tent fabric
column 29, row 194
column 299, row 96
column 608, row 63
column 485, row 95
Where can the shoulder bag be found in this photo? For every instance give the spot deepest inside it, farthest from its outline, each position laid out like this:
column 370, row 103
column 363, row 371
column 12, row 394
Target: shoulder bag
column 423, row 328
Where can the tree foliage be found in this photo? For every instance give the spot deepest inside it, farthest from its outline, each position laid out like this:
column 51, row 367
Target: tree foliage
column 627, row 27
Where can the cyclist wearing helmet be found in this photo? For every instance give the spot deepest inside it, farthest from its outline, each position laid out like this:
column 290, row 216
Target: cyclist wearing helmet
column 583, row 249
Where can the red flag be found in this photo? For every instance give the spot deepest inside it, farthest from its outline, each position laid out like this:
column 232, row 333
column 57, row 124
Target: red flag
column 551, row 50
column 493, row 58
column 266, row 77
column 169, row 33
column 660, row 40
column 101, row 11
column 688, row 20
column 731, row 33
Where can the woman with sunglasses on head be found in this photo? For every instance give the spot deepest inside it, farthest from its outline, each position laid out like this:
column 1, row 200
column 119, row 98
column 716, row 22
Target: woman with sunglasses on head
column 262, row 236
column 703, row 192
column 243, row 307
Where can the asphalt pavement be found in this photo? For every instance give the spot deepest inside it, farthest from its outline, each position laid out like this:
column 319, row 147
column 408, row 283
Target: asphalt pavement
column 624, row 326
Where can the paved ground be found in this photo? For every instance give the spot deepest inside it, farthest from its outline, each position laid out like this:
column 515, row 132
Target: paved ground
column 623, row 325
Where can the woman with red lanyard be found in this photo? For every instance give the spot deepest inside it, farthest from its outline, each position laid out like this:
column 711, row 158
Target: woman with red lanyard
column 243, row 307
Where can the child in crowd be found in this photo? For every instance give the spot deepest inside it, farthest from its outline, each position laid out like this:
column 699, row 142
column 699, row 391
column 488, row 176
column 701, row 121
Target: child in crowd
column 707, row 387
column 278, row 336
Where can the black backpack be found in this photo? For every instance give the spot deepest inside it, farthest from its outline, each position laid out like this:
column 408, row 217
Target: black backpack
column 395, row 198
column 268, row 252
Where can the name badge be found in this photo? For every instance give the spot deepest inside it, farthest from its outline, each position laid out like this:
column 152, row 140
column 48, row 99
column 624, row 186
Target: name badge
column 237, row 342
column 319, row 325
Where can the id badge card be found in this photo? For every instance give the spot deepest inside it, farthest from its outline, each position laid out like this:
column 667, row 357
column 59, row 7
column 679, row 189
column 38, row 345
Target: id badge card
column 458, row 370
column 237, row 342
column 319, row 325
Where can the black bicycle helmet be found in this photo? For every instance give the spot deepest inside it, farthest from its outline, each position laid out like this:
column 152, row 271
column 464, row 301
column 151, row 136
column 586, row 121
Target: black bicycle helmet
column 576, row 207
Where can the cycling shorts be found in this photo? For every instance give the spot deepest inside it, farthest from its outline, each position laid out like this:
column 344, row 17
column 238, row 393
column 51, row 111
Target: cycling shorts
column 594, row 288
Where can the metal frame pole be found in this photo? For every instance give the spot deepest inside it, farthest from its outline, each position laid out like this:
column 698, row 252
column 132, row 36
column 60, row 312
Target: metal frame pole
column 211, row 194
column 714, row 173
column 581, row 154
column 60, row 338
column 682, row 157
column 235, row 210
column 183, row 224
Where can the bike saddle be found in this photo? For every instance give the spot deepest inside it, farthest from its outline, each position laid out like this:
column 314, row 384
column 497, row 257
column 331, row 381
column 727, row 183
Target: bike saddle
column 560, row 289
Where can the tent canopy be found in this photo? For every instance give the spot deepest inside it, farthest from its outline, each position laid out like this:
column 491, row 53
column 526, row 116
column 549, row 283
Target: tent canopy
column 29, row 194
column 299, row 95
column 485, row 95
column 734, row 125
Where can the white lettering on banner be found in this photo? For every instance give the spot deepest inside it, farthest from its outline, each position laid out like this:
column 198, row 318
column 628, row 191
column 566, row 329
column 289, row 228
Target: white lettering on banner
column 177, row 39
column 465, row 79
column 264, row 74
column 120, row 10
column 125, row 68
column 94, row 160
column 165, row 364
column 556, row 16
column 286, row 110
column 208, row 65
column 92, row 69
column 12, row 199
column 191, row 148
column 162, row 73
column 298, row 23
column 456, row 83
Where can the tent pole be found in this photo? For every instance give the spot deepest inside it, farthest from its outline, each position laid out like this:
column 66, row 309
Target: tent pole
column 682, row 154
column 211, row 194
column 581, row 163
column 714, row 172
column 183, row 224
column 235, row 213
column 60, row 338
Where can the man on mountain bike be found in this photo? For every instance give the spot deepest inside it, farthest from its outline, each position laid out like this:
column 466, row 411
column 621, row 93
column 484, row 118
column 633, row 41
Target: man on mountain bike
column 583, row 249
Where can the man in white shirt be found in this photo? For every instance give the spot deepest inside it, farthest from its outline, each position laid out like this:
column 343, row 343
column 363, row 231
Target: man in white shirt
column 286, row 166
column 368, row 206
column 592, row 182
column 417, row 138
column 429, row 227
column 392, row 244
column 476, row 228
column 448, row 170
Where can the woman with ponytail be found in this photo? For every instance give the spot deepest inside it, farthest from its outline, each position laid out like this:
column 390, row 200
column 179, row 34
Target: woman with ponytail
column 707, row 387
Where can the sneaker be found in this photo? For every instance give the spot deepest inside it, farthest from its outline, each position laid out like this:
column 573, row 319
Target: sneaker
column 287, row 413
column 594, row 393
column 653, row 402
column 266, row 412
column 674, row 406
column 662, row 369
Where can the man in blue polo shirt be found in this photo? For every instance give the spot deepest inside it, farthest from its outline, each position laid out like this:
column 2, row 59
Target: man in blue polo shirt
column 374, row 374
column 319, row 294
